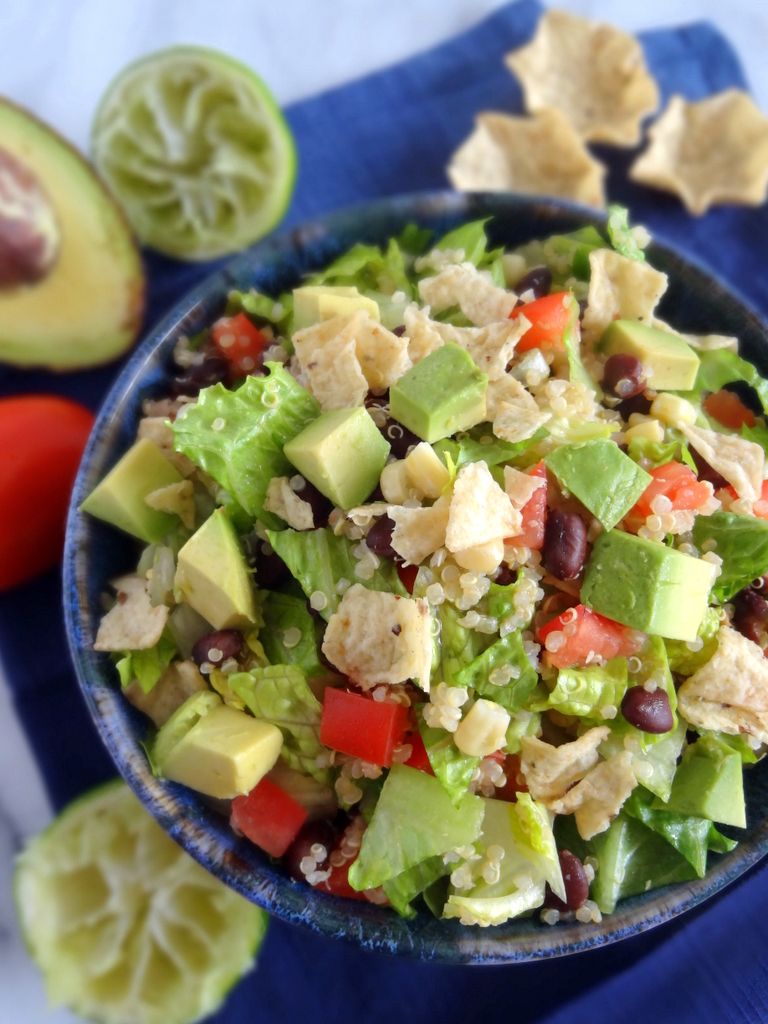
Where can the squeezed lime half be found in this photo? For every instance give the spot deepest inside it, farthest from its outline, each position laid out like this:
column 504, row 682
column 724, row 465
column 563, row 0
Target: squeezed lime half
column 124, row 925
column 196, row 150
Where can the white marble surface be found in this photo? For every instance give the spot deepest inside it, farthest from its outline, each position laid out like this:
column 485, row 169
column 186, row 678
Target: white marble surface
column 56, row 56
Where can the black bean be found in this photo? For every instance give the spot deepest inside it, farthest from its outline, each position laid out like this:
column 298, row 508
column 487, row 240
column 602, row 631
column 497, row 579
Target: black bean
column 505, row 576
column 224, row 643
column 623, row 375
column 321, row 833
column 648, row 711
column 565, row 544
column 214, row 369
column 398, row 436
column 576, row 884
column 321, row 506
column 705, row 472
column 379, row 539
column 271, row 570
column 750, row 614
column 399, row 331
column 638, row 403
column 538, row 280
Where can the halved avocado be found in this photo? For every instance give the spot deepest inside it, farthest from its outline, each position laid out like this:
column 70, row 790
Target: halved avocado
column 71, row 278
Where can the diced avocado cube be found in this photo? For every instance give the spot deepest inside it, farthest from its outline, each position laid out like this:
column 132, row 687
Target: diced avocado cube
column 601, row 476
column 225, row 754
column 342, row 453
column 119, row 498
column 647, row 586
column 674, row 362
column 709, row 784
column 211, row 574
column 315, row 303
column 440, row 395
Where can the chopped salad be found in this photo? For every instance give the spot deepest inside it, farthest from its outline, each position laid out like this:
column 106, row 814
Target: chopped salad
column 452, row 576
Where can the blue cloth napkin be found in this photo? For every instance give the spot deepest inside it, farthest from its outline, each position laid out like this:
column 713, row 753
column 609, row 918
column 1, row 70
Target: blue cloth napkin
column 388, row 133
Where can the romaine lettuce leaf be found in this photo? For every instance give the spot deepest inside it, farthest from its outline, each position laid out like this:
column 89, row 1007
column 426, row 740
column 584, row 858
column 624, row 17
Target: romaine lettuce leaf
column 690, row 836
column 403, row 889
column 685, row 661
column 283, row 612
column 565, row 255
column 660, row 454
column 276, row 311
column 505, row 652
column 586, row 691
column 522, row 723
column 756, row 434
column 458, row 645
column 470, row 448
column 532, row 829
column 742, row 543
column 319, row 559
column 413, row 821
column 621, row 236
column 413, row 240
column 451, row 766
column 469, row 237
column 719, row 367
column 146, row 666
column 737, row 743
column 279, row 694
column 368, row 269
column 238, row 436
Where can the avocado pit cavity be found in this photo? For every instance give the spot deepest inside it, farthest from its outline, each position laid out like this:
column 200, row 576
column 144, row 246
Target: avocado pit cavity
column 29, row 232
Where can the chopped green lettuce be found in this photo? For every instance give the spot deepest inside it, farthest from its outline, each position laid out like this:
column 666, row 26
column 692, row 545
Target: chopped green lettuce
column 279, row 694
column 148, row 665
column 237, row 437
column 369, row 269
column 685, row 661
column 720, row 366
column 660, row 454
column 413, row 240
column 578, row 372
column 741, row 542
column 586, row 691
column 178, row 725
column 283, row 612
column 756, row 434
column 319, row 559
column 566, row 255
column 621, row 235
column 276, row 311
column 471, row 448
column 405, row 887
column 458, row 645
column 522, row 723
column 737, row 743
column 532, row 829
column 507, row 653
column 414, row 820
column 451, row 766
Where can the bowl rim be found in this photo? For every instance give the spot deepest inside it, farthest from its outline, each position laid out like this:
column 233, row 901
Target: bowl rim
column 263, row 884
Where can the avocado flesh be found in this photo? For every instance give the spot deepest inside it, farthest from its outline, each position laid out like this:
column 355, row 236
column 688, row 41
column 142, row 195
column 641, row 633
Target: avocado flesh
column 212, row 577
column 119, row 498
column 647, row 586
column 440, row 395
column 315, row 303
column 342, row 453
column 675, row 364
column 87, row 310
column 709, row 783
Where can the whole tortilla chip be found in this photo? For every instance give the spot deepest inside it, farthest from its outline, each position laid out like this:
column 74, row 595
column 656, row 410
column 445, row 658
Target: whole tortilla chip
column 594, row 73
column 539, row 155
column 708, row 153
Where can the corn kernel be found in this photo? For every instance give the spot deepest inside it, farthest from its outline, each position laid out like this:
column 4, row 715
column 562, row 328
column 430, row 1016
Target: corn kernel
column 426, row 471
column 673, row 410
column 481, row 558
column 394, row 483
column 651, row 430
column 483, row 730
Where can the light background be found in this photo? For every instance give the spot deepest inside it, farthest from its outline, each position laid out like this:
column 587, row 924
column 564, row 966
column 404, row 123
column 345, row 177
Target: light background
column 57, row 56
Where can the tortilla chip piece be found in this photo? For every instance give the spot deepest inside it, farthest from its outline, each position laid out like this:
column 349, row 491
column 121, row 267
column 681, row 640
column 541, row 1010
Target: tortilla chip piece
column 708, row 153
column 134, row 624
column 594, row 73
column 283, row 501
column 513, row 410
column 619, row 289
column 383, row 357
column 327, row 354
column 700, row 342
column 179, row 682
column 465, row 286
column 418, row 532
column 598, row 798
column 741, row 462
column 175, row 499
column 490, row 347
column 521, row 487
column 157, row 429
column 549, row 771
column 539, row 155
column 480, row 511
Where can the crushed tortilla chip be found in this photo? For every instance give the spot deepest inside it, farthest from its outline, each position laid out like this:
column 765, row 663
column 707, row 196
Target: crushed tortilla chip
column 594, row 73
column 513, row 410
column 383, row 357
column 598, row 798
column 157, row 429
column 549, row 771
column 418, row 532
column 327, row 354
column 708, row 153
column 480, row 511
column 619, row 289
column 179, row 682
column 490, row 347
column 375, row 637
column 538, row 155
column 465, row 286
column 286, row 503
column 521, row 487
column 176, row 499
column 741, row 462
column 134, row 624
column 700, row 342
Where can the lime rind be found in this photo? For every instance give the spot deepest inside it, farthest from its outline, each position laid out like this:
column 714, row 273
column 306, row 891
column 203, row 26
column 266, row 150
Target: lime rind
column 195, row 148
column 125, row 927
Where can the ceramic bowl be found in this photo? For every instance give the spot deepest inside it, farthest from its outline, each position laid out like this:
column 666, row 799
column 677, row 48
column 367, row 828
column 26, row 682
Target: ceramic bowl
column 95, row 553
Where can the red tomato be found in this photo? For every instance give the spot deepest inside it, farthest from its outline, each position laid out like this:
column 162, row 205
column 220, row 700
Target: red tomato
column 269, row 817
column 239, row 341
column 676, row 482
column 361, row 727
column 728, row 409
column 419, row 758
column 550, row 318
column 407, row 574
column 42, row 438
column 760, row 507
column 534, row 514
column 587, row 633
column 512, row 787
column 338, row 883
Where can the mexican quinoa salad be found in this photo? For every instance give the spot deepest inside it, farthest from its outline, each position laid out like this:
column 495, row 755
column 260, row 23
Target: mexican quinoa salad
column 450, row 591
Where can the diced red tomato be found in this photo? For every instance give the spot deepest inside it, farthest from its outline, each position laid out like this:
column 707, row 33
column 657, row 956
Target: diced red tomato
column 362, row 727
column 239, row 342
column 338, row 883
column 534, row 514
column 407, row 574
column 269, row 817
column 512, row 787
column 419, row 758
column 676, row 482
column 587, row 633
column 760, row 507
column 728, row 409
column 550, row 318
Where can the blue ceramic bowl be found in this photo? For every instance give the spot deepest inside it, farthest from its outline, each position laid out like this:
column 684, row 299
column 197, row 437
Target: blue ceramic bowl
column 95, row 553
